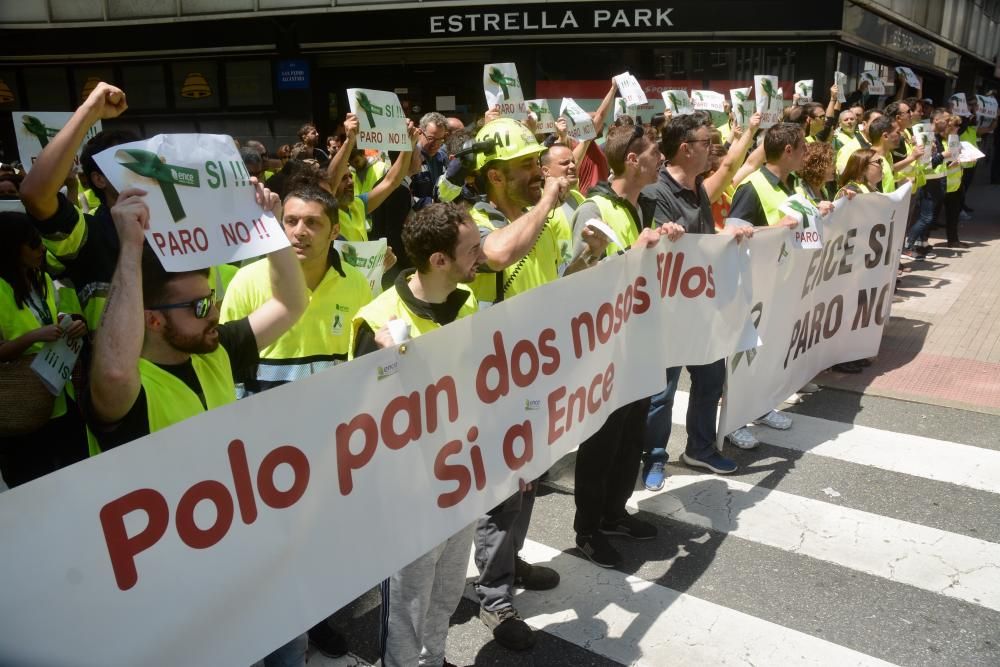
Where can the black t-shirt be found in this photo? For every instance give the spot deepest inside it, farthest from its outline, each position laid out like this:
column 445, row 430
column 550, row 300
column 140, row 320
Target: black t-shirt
column 669, row 201
column 235, row 337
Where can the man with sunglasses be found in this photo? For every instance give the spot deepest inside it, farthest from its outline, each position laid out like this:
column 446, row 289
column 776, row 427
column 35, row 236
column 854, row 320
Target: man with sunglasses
column 432, row 133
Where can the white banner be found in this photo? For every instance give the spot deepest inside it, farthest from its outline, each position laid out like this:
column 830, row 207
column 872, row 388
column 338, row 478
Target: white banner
column 767, row 96
column 217, row 540
column 630, row 89
column 912, row 79
column 624, row 109
column 381, row 120
column 817, row 308
column 708, row 100
column 543, row 115
column 678, row 102
column 366, row 256
column 201, row 203
column 804, row 89
column 579, row 124
column 503, row 89
column 969, row 153
column 34, row 129
column 840, row 79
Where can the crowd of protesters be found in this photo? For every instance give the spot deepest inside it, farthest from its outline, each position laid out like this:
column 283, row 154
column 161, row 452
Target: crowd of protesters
column 473, row 214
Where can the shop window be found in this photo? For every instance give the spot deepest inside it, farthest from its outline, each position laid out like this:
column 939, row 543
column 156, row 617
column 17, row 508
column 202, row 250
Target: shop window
column 145, row 86
column 47, row 89
column 248, row 83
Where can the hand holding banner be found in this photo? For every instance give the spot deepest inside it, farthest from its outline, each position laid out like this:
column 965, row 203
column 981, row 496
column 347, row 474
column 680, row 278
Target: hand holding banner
column 579, row 124
column 630, row 90
column 201, row 201
column 768, row 100
column 677, row 102
column 543, row 116
column 804, row 90
column 923, row 135
column 54, row 363
column 911, row 79
column 875, row 84
column 503, row 89
column 381, row 120
column 840, row 79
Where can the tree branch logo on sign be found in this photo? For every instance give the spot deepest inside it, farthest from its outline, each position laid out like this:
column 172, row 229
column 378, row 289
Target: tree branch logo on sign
column 503, row 90
column 39, row 130
column 381, row 120
column 152, row 166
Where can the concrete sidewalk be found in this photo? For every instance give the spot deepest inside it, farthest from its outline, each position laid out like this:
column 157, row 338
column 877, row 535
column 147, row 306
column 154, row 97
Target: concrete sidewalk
column 942, row 344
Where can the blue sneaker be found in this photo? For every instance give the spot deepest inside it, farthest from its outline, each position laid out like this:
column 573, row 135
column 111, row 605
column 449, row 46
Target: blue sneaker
column 714, row 462
column 653, row 478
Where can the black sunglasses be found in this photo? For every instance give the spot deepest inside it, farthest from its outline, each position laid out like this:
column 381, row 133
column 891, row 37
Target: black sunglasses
column 637, row 131
column 201, row 306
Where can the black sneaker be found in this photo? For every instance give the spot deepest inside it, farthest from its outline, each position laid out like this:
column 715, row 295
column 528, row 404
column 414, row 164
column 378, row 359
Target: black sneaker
column 534, row 577
column 597, row 548
column 331, row 643
column 629, row 526
column 508, row 629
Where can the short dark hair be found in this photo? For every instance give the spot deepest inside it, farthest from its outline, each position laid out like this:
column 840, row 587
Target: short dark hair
column 156, row 280
column 679, row 130
column 433, row 229
column 17, row 230
column 545, row 158
column 251, row 157
column 100, row 142
column 620, row 139
column 871, row 112
column 892, row 109
column 308, row 191
column 781, row 135
column 304, row 130
column 880, row 127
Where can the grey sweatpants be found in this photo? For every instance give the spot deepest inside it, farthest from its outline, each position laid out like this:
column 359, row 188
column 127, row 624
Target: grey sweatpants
column 499, row 536
column 418, row 601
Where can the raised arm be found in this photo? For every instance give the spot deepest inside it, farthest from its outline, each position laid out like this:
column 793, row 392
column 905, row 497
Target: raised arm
column 510, row 243
column 396, row 172
column 341, row 161
column 752, row 164
column 602, row 111
column 47, row 175
column 114, row 372
column 717, row 183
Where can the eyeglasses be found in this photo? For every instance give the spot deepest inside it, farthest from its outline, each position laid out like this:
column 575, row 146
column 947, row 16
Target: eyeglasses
column 201, row 306
column 432, row 139
column 699, row 141
column 637, row 131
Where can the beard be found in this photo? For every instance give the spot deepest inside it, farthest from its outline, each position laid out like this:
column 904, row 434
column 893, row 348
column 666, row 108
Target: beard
column 202, row 343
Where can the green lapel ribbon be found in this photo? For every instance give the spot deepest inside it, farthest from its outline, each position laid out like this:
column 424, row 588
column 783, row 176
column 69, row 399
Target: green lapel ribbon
column 769, row 91
column 37, row 128
column 497, row 77
column 676, row 102
column 148, row 164
column 535, row 109
column 801, row 208
column 370, row 109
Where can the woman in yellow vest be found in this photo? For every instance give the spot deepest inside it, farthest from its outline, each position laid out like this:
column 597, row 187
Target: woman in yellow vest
column 862, row 174
column 816, row 173
column 953, row 194
column 29, row 320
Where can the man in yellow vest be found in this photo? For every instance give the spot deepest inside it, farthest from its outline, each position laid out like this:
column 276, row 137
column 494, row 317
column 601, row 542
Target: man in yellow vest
column 759, row 198
column 906, row 154
column 558, row 161
column 161, row 356
column 930, row 197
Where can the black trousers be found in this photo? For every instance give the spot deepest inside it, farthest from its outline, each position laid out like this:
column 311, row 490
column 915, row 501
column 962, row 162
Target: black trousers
column 952, row 207
column 61, row 442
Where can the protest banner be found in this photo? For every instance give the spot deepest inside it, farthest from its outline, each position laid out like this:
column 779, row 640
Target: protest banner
column 808, row 234
column 543, row 115
column 816, row 308
column 840, row 79
column 768, row 100
column 875, row 84
column 579, row 124
column 381, row 120
column 630, row 90
column 959, row 105
column 55, row 361
column 34, row 129
column 743, row 106
column 366, row 256
column 220, row 538
column 708, row 100
column 678, row 102
column 923, row 135
column 202, row 209
column 912, row 79
column 804, row 90
column 503, row 90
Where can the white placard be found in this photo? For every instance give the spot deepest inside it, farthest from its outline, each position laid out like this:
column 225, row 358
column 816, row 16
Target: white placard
column 875, row 84
column 970, row 153
column 923, row 135
column 743, row 106
column 959, row 104
column 381, row 120
column 546, row 122
column 768, row 100
column 708, row 100
column 954, row 147
column 677, row 102
column 624, row 109
column 602, row 227
column 809, row 233
column 840, row 79
column 987, row 106
column 804, row 89
column 366, row 256
column 201, row 202
column 34, row 129
column 55, row 361
column 579, row 124
column 503, row 90
column 912, row 79
column 630, row 89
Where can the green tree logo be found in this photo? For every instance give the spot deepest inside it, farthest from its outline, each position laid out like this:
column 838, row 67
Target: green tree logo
column 150, row 165
column 368, row 107
column 498, row 77
column 36, row 127
column 769, row 91
column 805, row 211
column 675, row 102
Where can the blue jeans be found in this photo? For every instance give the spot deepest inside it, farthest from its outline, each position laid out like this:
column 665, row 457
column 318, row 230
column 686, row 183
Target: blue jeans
column 928, row 204
column 706, row 389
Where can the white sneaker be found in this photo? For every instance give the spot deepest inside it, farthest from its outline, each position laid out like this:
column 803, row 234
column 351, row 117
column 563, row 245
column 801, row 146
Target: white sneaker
column 775, row 419
column 743, row 438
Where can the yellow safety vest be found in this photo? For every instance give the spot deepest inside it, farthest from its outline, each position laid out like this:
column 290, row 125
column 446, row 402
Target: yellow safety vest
column 888, row 178
column 771, row 198
column 538, row 267
column 953, row 176
column 353, row 222
column 848, row 146
column 169, row 400
column 618, row 218
column 971, row 136
column 560, row 218
column 366, row 183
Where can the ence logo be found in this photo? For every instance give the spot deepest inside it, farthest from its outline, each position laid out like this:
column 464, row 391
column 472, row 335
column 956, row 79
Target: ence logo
column 532, row 405
column 498, row 77
column 368, row 107
column 806, row 212
column 383, row 372
column 150, row 165
column 38, row 128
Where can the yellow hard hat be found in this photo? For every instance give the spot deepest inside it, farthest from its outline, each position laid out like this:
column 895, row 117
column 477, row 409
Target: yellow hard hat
column 511, row 140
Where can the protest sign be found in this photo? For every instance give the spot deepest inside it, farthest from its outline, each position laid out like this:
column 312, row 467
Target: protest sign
column 816, row 308
column 987, row 106
column 630, row 89
column 743, row 106
column 969, row 153
column 201, row 202
column 503, row 90
column 923, row 135
column 55, row 361
column 708, row 100
column 579, row 124
column 804, row 90
column 954, row 146
column 213, row 542
column 912, row 79
column 678, row 102
column 34, row 129
column 381, row 120
column 808, row 234
column 366, row 256
column 768, row 100
column 624, row 109
column 959, row 105
column 875, row 84
column 543, row 115
column 840, row 79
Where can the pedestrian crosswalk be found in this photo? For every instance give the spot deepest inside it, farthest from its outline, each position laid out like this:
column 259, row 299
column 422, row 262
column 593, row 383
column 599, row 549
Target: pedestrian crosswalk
column 769, row 568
